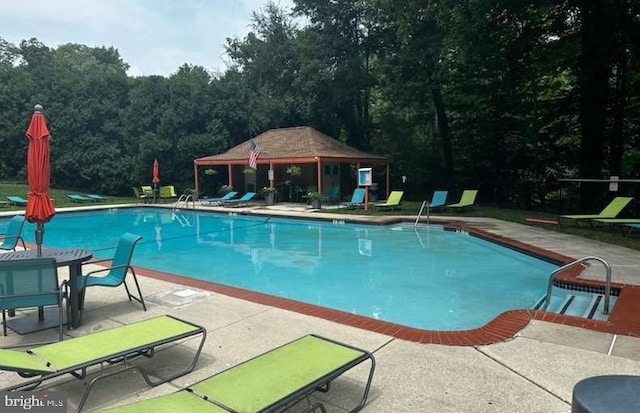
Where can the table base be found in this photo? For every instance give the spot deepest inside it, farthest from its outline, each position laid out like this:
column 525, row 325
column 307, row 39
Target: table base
column 30, row 323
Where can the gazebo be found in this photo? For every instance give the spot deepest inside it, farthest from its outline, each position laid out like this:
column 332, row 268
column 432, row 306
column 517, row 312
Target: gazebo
column 293, row 160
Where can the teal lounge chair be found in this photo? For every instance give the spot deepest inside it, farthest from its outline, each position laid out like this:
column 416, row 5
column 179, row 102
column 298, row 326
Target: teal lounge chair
column 115, row 275
column 357, row 199
column 13, row 235
column 17, row 200
column 439, row 199
column 392, row 202
column 467, row 199
column 270, row 382
column 218, row 200
column 117, row 347
column 79, row 198
column 611, row 211
column 244, row 200
column 97, row 197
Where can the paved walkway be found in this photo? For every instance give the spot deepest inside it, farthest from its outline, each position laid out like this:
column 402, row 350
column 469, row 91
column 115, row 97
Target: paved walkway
column 533, row 372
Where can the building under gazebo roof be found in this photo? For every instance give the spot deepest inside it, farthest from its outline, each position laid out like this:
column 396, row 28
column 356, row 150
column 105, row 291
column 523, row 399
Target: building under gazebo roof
column 294, row 160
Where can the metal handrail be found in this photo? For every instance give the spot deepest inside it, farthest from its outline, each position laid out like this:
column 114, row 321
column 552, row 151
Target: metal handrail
column 424, row 203
column 184, row 198
column 607, row 285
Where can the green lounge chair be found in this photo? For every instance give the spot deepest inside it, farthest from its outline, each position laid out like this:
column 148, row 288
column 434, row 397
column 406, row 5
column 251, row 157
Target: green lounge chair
column 467, row 199
column 116, row 347
column 13, row 235
column 269, row 382
column 610, row 211
column 167, row 192
column 392, row 202
column 147, row 191
column 17, row 200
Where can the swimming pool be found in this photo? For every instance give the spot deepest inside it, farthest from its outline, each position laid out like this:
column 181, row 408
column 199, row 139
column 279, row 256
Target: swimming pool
column 422, row 277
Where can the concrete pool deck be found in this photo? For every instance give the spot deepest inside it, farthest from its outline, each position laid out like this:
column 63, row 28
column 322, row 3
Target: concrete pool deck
column 534, row 371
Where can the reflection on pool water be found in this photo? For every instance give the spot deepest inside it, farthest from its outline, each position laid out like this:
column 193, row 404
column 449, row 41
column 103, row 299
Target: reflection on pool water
column 422, row 277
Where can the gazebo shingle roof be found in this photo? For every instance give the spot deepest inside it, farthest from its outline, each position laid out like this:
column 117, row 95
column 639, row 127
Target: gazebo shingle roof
column 295, row 142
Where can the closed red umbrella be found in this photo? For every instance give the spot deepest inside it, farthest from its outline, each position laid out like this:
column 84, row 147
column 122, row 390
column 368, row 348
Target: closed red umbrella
column 39, row 206
column 156, row 177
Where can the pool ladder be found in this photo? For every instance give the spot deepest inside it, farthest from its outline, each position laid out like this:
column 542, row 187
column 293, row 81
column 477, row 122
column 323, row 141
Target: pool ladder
column 422, row 208
column 185, row 198
column 607, row 285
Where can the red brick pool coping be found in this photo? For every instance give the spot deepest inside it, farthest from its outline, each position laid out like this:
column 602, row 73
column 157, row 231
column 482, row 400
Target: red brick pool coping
column 623, row 320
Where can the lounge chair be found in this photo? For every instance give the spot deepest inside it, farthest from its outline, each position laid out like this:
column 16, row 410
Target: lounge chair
column 217, row 200
column 13, row 235
column 138, row 193
column 270, row 382
column 439, row 199
column 357, row 199
column 97, row 197
column 244, row 200
column 30, row 283
column 167, row 192
column 467, row 199
column 612, row 210
column 116, row 347
column 392, row 202
column 147, row 191
column 17, row 200
column 79, row 198
column 115, row 275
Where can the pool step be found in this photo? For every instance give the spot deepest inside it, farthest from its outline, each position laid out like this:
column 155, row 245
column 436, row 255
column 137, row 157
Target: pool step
column 578, row 303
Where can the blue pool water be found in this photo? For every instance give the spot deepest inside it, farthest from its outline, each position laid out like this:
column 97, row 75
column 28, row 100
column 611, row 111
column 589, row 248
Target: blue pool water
column 421, row 277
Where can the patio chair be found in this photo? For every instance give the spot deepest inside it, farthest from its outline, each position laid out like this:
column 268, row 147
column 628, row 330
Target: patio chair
column 17, row 200
column 392, row 202
column 117, row 347
column 167, row 192
column 13, row 235
column 138, row 193
column 467, row 199
column 612, row 210
column 269, row 382
column 79, row 198
column 357, row 199
column 438, row 199
column 30, row 283
column 147, row 191
column 217, row 200
column 115, row 275
column 244, row 200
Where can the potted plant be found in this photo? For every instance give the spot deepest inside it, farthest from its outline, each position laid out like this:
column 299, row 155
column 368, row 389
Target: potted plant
column 269, row 194
column 224, row 189
column 315, row 199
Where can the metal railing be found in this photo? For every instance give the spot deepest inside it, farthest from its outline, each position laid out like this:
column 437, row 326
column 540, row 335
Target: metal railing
column 607, row 285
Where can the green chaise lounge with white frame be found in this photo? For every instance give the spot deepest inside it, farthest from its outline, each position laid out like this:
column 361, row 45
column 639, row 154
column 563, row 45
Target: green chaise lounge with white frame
column 117, row 346
column 611, row 211
column 269, row 382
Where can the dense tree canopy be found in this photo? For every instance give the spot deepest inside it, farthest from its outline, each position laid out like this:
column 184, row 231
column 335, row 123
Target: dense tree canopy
column 458, row 94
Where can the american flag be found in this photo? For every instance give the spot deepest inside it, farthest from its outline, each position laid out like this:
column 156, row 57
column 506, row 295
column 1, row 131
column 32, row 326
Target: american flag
column 253, row 155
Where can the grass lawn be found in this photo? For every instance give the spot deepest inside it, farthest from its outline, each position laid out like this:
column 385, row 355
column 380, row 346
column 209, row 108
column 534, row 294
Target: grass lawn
column 59, row 197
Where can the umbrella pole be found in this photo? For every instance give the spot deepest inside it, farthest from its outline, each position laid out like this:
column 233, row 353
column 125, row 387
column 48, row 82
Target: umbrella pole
column 39, row 236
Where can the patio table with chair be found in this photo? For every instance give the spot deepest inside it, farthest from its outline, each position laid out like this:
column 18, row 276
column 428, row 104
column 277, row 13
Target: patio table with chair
column 71, row 257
